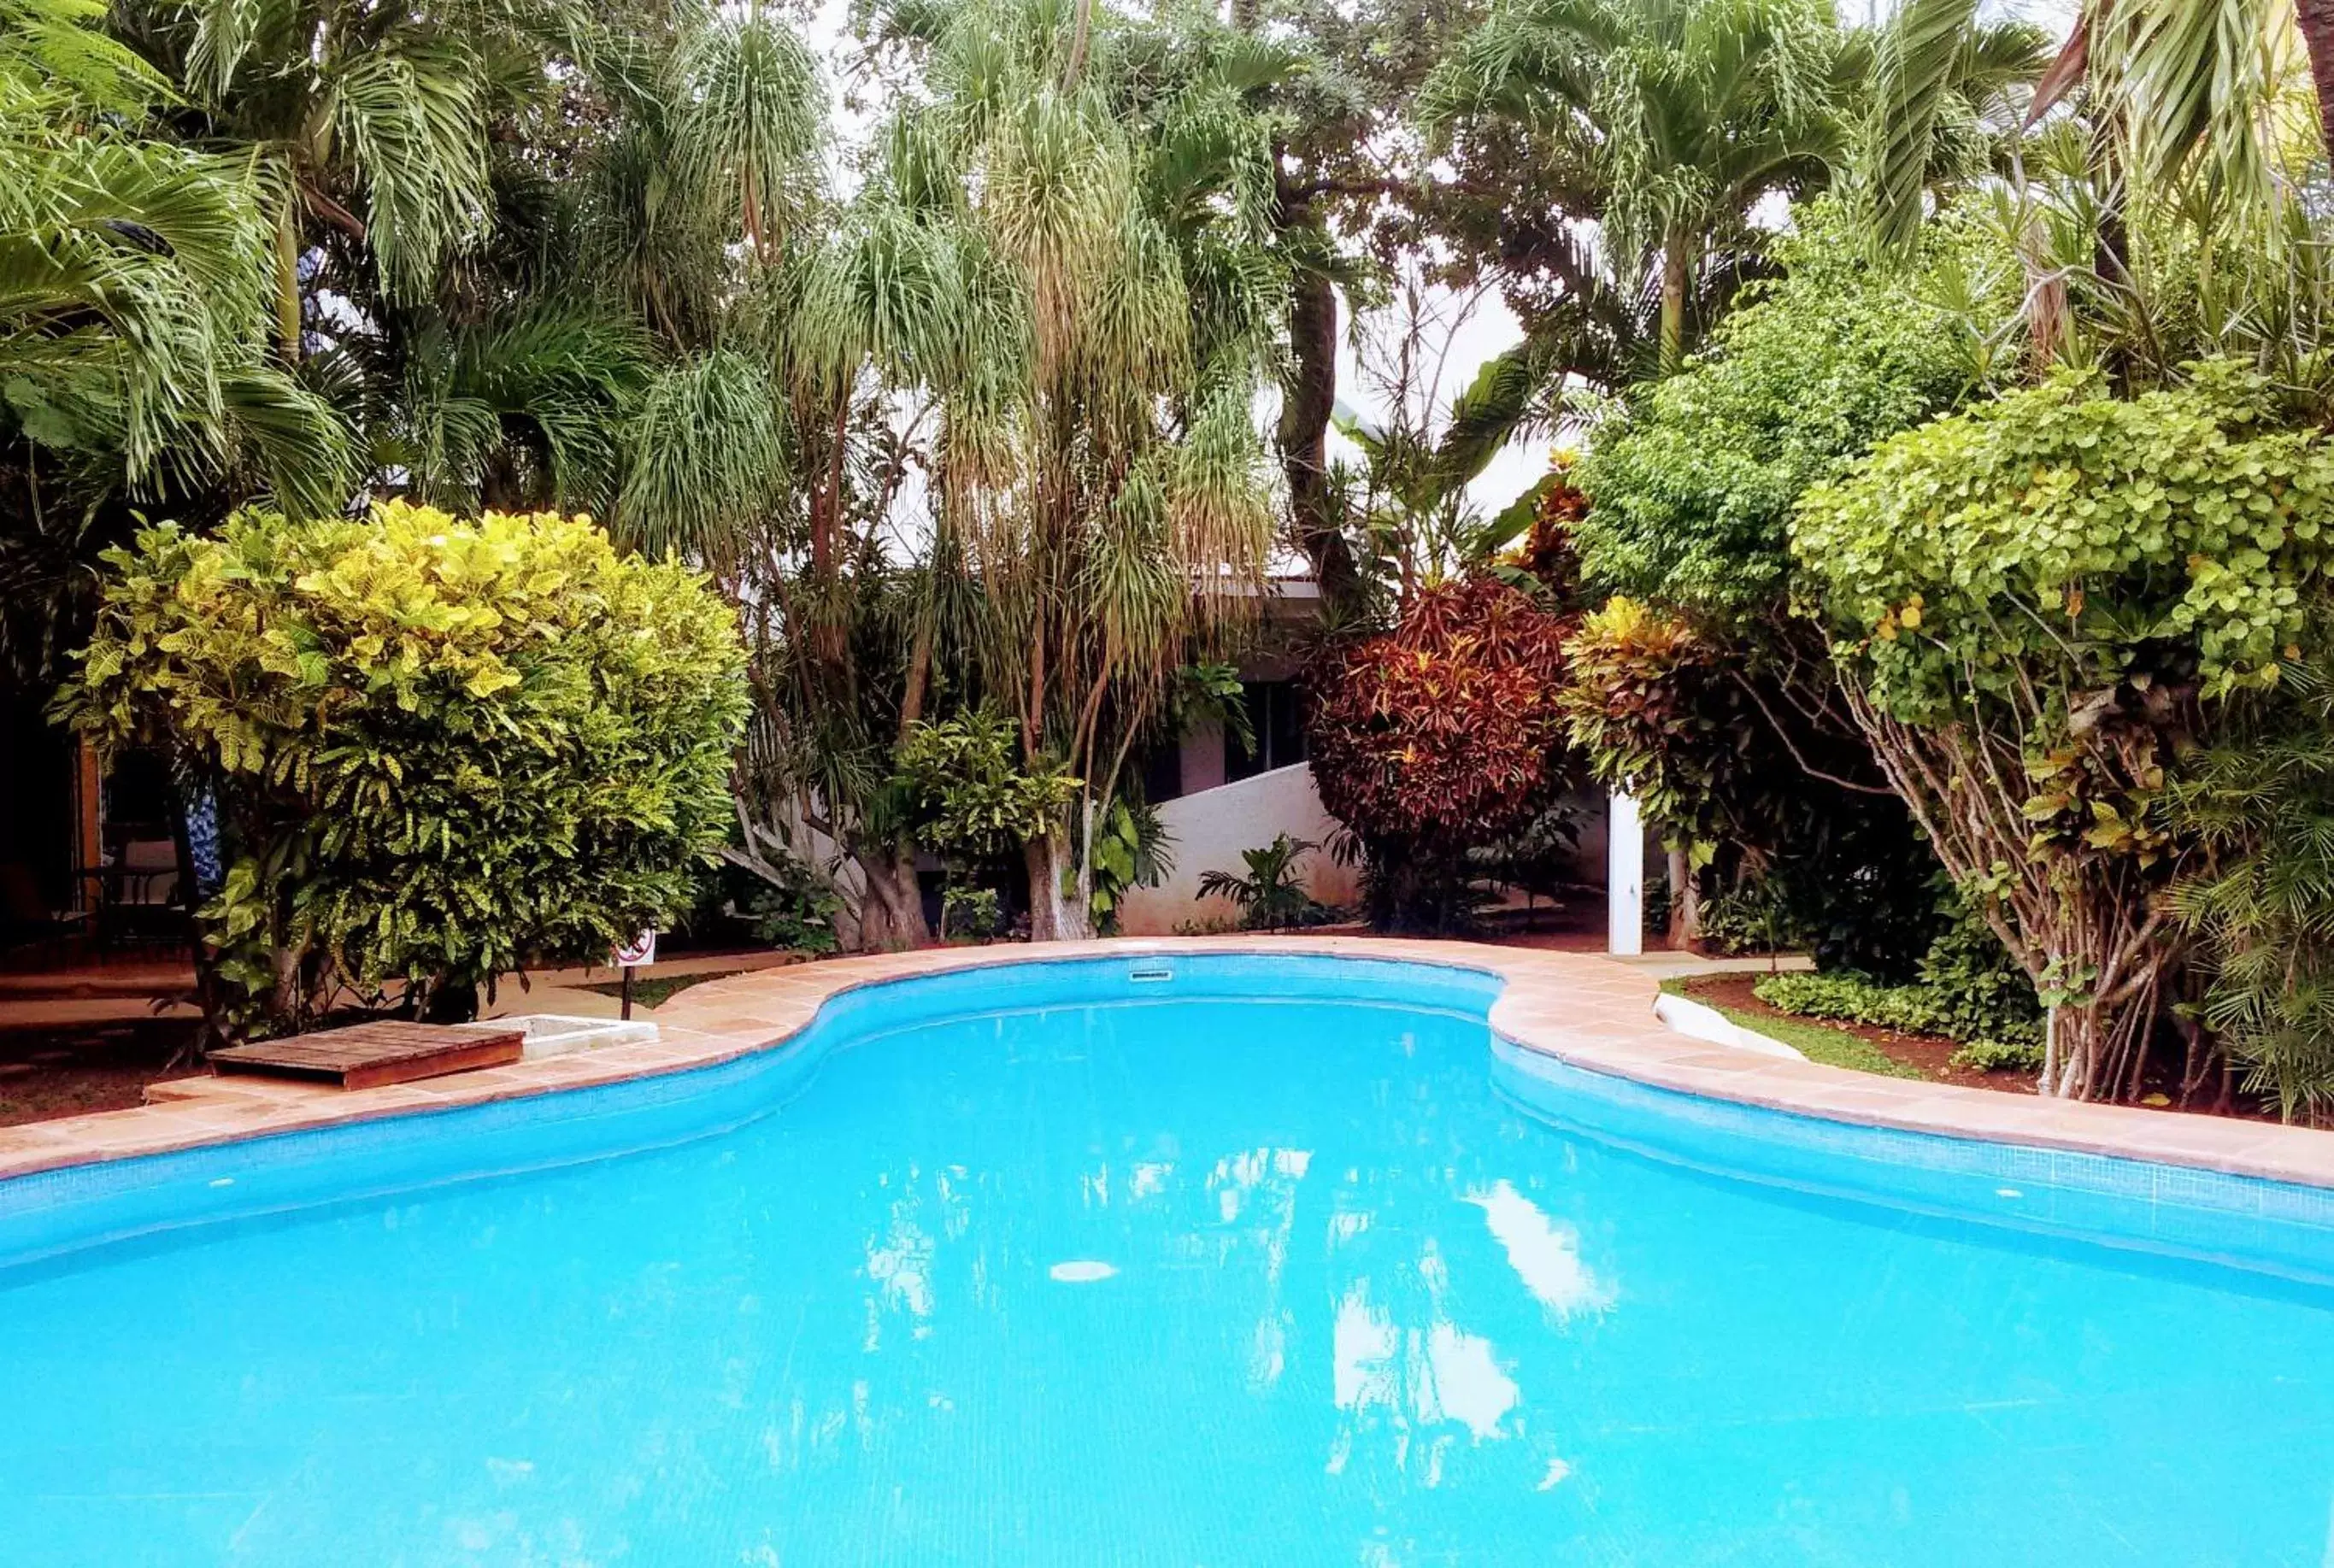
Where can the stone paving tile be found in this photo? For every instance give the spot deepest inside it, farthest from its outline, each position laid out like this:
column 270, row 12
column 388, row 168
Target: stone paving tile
column 1578, row 1007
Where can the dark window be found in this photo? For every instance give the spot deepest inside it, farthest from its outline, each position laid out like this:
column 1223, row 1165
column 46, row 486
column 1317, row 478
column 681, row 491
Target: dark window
column 1272, row 714
column 1163, row 772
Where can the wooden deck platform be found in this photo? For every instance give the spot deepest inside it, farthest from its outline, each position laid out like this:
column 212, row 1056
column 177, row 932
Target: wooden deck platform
column 369, row 1055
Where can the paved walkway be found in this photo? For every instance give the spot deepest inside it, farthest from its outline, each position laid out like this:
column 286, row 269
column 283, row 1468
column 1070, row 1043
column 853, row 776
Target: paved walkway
column 1588, row 1012
column 562, row 992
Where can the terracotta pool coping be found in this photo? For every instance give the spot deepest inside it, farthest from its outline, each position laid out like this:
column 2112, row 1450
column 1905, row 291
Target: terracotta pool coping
column 1582, row 1009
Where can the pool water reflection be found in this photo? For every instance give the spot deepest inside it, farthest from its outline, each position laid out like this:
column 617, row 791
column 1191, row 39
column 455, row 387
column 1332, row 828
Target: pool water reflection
column 1225, row 1283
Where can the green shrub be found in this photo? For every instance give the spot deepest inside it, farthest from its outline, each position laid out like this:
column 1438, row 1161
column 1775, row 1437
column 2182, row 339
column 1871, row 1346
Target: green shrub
column 1969, row 1005
column 1979, row 990
column 2065, row 535
column 1690, row 484
column 1999, row 1056
column 1852, row 998
column 968, row 797
column 970, row 913
column 1754, row 918
column 796, row 912
column 442, row 748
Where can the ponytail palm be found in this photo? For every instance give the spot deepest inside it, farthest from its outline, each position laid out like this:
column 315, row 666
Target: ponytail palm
column 1075, row 271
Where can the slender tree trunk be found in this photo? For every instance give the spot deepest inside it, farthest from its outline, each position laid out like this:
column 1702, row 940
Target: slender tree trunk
column 1674, row 269
column 2315, row 20
column 1083, row 31
column 287, row 274
column 1309, row 398
column 920, row 671
column 1685, row 901
column 1308, row 395
column 1053, row 915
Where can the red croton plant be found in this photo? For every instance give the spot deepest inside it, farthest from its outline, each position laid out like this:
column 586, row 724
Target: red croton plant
column 1445, row 732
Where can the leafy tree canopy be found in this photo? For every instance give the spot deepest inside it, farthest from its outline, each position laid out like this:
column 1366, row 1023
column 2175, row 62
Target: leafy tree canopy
column 2061, row 537
column 1692, row 485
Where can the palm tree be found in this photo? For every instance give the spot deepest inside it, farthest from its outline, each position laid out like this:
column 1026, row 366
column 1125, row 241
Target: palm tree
column 1269, row 898
column 2184, row 97
column 135, row 290
column 2217, row 89
column 1667, row 122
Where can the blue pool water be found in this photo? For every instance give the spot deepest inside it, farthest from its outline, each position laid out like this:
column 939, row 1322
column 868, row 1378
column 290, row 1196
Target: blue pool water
column 1271, row 1263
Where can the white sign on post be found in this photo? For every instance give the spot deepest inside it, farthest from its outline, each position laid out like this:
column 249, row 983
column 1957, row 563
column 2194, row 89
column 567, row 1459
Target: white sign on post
column 636, row 953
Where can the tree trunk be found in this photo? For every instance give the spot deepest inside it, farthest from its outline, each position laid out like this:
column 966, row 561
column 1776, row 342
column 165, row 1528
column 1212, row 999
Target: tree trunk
column 1307, row 399
column 1685, row 901
column 895, row 900
column 1674, row 283
column 287, row 276
column 1076, row 65
column 2081, row 923
column 1053, row 915
column 2315, row 20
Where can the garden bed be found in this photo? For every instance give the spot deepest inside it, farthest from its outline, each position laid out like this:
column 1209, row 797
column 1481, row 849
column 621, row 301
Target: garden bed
column 1865, row 1047
column 1868, row 1048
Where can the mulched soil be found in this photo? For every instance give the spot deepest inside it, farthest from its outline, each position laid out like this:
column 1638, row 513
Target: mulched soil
column 67, row 1070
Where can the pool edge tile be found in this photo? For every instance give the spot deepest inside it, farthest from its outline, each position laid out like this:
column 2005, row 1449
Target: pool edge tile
column 1581, row 1009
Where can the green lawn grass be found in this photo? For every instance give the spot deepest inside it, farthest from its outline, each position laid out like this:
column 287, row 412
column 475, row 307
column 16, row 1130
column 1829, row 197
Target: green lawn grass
column 1816, row 1041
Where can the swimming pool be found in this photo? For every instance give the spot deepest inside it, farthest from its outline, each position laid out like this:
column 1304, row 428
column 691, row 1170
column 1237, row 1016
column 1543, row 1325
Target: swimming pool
column 1210, row 1261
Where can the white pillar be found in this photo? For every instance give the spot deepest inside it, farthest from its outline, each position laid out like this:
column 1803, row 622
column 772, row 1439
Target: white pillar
column 1624, row 876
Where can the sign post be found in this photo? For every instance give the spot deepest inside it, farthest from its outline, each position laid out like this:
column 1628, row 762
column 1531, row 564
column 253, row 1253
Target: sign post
column 637, row 953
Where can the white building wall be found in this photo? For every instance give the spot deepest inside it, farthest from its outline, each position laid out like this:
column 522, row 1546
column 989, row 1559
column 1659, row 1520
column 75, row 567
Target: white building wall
column 1211, row 827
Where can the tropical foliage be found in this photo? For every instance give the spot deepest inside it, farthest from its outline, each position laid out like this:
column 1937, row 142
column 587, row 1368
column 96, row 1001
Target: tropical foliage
column 1443, row 736
column 1951, row 488
column 1691, row 482
column 2256, row 900
column 1697, row 690
column 1740, row 758
column 440, row 749
column 2037, row 607
column 1271, row 897
column 138, row 280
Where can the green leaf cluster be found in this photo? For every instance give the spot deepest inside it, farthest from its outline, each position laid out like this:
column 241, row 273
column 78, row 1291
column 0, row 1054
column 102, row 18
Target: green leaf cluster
column 1131, row 849
column 1271, row 897
column 2060, row 540
column 969, row 798
column 443, row 748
